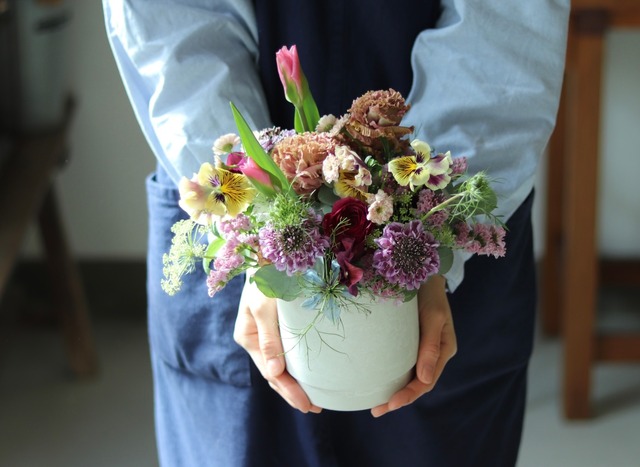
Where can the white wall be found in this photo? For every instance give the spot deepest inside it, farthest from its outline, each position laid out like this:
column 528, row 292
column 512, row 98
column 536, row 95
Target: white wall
column 102, row 190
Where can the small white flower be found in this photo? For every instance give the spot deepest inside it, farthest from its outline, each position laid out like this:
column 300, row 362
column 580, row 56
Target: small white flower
column 381, row 208
column 326, row 123
column 225, row 144
column 330, row 168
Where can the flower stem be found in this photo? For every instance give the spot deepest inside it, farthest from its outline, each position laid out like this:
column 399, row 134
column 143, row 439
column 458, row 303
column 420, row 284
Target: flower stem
column 442, row 205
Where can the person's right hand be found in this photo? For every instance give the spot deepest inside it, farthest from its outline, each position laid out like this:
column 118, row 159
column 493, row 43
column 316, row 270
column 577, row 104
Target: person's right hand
column 256, row 330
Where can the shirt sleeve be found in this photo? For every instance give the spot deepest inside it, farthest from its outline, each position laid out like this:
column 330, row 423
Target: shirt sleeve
column 486, row 86
column 182, row 62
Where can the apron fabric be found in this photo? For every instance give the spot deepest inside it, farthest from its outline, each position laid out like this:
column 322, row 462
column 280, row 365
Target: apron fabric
column 212, row 406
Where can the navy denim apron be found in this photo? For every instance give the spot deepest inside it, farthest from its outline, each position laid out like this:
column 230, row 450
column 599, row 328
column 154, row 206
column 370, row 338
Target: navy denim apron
column 212, row 406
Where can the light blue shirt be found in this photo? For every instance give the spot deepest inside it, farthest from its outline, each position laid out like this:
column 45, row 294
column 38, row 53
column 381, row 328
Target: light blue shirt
column 486, row 83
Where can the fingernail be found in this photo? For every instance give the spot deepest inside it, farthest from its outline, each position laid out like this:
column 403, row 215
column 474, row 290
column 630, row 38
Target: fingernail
column 273, row 366
column 426, row 374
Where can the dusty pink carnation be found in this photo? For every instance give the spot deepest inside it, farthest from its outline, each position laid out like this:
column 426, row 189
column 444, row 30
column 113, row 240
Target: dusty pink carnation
column 300, row 157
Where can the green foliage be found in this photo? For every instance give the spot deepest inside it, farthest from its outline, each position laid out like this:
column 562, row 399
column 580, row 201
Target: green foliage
column 276, row 284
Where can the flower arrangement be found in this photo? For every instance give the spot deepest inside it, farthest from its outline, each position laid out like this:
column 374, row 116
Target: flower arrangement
column 331, row 209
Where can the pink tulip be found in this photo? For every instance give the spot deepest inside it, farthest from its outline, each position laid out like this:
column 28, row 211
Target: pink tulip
column 291, row 75
column 249, row 168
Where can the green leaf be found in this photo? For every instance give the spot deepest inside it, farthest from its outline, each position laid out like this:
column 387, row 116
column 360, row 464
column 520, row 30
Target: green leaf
column 256, row 152
column 276, row 284
column 310, row 111
column 327, row 198
column 211, row 252
column 446, row 259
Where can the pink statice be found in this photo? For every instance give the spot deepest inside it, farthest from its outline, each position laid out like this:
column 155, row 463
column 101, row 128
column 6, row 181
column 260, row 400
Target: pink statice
column 228, row 264
column 427, row 200
column 481, row 239
column 407, row 255
column 293, row 248
column 234, row 225
column 458, row 166
column 381, row 208
column 216, row 281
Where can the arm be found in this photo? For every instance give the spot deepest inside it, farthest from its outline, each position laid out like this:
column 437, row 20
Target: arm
column 182, row 62
column 486, row 86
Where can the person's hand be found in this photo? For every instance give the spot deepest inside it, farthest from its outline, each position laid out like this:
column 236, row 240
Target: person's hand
column 437, row 345
column 256, row 330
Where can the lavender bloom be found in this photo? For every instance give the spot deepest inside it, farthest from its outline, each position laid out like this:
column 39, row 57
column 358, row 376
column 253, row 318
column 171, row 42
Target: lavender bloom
column 293, row 248
column 407, row 255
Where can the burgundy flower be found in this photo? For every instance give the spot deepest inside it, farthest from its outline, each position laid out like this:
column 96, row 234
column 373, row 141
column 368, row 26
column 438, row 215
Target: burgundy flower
column 348, row 226
column 348, row 221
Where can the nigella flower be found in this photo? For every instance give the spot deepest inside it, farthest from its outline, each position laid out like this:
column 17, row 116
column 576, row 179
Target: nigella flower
column 294, row 247
column 407, row 255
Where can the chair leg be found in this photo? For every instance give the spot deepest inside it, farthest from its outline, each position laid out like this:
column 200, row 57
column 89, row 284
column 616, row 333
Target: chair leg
column 67, row 290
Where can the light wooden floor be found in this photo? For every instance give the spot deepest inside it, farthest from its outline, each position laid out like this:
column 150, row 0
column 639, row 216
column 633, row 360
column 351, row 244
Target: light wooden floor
column 49, row 420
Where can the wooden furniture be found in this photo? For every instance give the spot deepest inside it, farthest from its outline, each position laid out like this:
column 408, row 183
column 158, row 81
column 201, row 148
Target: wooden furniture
column 27, row 194
column 571, row 270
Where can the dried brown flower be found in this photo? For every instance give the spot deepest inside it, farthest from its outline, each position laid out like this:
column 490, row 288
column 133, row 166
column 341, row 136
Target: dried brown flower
column 373, row 124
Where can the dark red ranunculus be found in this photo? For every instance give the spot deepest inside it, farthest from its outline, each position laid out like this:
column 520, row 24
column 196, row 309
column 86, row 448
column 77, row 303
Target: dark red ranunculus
column 355, row 226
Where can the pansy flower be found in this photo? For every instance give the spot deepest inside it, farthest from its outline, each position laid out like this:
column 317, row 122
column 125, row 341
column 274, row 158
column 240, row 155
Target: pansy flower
column 421, row 168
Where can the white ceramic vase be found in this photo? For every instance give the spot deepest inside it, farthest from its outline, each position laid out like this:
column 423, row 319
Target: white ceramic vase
column 355, row 365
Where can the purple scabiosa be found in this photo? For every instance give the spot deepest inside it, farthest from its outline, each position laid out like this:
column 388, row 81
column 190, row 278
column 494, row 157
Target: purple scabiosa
column 407, row 255
column 291, row 240
column 293, row 248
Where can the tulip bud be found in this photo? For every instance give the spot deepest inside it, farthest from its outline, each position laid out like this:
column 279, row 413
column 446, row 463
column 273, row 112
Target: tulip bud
column 291, row 75
column 296, row 89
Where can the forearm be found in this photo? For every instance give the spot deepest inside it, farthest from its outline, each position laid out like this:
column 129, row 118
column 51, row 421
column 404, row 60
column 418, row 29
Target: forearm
column 182, row 62
column 486, row 86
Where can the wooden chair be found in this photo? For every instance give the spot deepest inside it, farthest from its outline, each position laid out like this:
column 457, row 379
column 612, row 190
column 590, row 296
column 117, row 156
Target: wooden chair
column 571, row 269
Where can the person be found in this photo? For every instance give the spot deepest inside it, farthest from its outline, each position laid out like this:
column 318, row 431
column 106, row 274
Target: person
column 483, row 80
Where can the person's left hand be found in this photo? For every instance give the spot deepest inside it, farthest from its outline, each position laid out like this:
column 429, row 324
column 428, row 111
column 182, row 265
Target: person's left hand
column 437, row 345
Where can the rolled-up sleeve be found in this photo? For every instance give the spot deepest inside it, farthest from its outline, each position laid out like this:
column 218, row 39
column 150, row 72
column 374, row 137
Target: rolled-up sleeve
column 486, row 86
column 182, row 62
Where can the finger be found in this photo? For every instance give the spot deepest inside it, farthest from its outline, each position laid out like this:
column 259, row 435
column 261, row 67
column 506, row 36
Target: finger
column 289, row 389
column 404, row 396
column 429, row 352
column 266, row 320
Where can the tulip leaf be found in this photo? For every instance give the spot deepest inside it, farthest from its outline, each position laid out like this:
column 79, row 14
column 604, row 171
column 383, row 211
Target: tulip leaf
column 256, row 152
